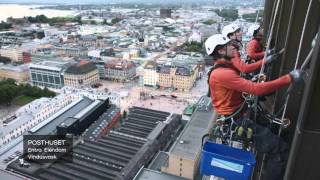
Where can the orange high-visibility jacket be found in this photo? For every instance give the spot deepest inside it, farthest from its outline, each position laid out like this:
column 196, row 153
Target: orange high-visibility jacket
column 255, row 50
column 243, row 67
column 226, row 87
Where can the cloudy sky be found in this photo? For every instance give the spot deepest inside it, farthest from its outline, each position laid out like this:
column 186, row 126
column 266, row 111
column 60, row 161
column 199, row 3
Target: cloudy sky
column 93, row 1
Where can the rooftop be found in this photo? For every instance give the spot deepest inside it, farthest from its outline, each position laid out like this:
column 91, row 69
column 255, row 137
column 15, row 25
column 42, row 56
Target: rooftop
column 165, row 69
column 10, row 176
column 95, row 129
column 118, row 154
column 115, row 64
column 150, row 65
column 9, row 67
column 49, row 127
column 183, row 71
column 148, row 174
column 24, row 114
column 57, row 65
column 81, row 67
column 159, row 161
column 189, row 143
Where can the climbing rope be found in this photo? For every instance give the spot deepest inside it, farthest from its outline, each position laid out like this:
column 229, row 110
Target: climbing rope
column 270, row 34
column 303, row 66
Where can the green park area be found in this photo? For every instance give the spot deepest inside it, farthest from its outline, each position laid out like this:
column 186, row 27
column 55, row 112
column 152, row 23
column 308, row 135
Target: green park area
column 20, row 94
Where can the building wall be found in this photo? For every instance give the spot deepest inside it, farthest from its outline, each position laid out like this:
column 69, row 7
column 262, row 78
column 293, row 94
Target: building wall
column 26, row 57
column 165, row 13
column 182, row 83
column 150, row 77
column 185, row 83
column 76, row 80
column 88, row 43
column 120, row 74
column 165, row 80
column 71, row 51
column 18, row 76
column 47, row 78
column 181, row 166
column 14, row 53
column 101, row 70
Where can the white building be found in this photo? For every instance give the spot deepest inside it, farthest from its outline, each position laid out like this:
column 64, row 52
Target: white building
column 150, row 75
column 30, row 115
column 14, row 53
column 92, row 29
column 91, row 93
column 55, row 33
column 94, row 53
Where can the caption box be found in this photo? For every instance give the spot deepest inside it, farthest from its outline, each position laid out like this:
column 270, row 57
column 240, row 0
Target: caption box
column 47, row 148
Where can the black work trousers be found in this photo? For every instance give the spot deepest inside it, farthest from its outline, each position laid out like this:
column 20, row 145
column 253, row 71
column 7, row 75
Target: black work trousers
column 276, row 150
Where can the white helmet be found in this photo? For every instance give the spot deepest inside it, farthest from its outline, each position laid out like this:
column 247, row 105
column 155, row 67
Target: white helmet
column 252, row 28
column 231, row 28
column 213, row 41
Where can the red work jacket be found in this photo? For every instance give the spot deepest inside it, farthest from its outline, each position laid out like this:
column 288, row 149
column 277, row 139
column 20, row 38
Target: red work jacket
column 226, row 87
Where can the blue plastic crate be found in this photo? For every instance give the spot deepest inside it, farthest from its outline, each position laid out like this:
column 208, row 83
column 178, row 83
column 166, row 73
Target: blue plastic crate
column 226, row 162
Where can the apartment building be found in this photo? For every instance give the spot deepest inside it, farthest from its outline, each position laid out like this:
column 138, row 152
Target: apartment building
column 150, row 75
column 120, row 70
column 81, row 74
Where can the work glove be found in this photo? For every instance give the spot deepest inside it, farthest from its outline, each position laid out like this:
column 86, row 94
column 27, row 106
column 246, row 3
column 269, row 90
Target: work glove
column 296, row 76
column 271, row 58
column 271, row 51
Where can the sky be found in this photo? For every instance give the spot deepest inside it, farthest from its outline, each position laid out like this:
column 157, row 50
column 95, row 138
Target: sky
column 112, row 1
column 91, row 1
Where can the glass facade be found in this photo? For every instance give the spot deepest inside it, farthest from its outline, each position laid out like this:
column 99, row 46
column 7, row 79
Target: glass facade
column 46, row 78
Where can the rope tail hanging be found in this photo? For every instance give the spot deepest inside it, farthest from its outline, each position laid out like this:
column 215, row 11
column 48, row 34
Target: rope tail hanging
column 270, row 35
column 303, row 66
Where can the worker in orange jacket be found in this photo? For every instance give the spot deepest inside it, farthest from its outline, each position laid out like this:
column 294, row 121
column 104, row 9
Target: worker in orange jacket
column 226, row 87
column 234, row 33
column 254, row 48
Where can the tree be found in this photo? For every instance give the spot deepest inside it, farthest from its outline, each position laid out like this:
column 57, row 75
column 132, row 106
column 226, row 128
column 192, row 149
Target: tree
column 209, row 22
column 228, row 14
column 192, row 47
column 5, row 26
column 42, row 18
column 115, row 20
column 5, row 60
column 251, row 17
column 104, row 22
column 10, row 90
column 38, row 19
column 11, row 81
column 78, row 20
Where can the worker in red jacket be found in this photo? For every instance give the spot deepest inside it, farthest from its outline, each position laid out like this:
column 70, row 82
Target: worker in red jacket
column 254, row 48
column 234, row 33
column 226, row 87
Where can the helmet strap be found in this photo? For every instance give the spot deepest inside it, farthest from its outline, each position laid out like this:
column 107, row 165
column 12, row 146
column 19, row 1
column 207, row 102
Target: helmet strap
column 225, row 56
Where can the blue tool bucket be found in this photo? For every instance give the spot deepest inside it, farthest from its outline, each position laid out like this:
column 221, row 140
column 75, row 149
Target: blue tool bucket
column 226, row 162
